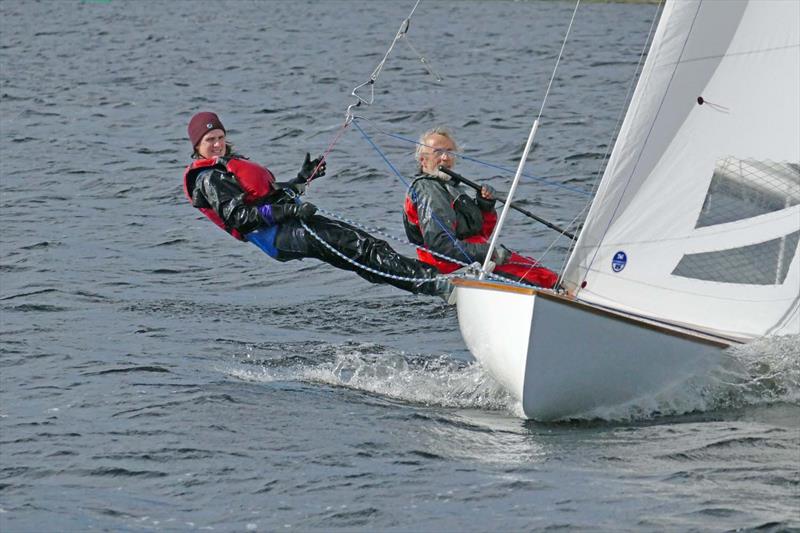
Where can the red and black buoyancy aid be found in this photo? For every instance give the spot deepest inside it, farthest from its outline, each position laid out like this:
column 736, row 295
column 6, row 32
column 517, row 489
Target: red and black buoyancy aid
column 256, row 182
column 479, row 234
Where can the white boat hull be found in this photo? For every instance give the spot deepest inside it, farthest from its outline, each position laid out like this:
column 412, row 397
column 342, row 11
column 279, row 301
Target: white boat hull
column 561, row 358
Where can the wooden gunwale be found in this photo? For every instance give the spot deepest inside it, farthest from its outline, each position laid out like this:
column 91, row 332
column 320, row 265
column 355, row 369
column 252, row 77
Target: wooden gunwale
column 640, row 321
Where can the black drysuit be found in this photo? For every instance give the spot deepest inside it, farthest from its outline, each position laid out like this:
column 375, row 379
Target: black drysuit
column 220, row 191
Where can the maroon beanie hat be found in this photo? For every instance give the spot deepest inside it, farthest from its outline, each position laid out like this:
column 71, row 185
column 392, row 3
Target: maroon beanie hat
column 201, row 124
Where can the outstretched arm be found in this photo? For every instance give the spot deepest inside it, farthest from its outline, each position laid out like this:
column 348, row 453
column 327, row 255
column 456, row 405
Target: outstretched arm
column 311, row 170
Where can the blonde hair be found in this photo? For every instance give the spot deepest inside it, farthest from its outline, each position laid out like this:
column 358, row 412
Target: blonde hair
column 438, row 130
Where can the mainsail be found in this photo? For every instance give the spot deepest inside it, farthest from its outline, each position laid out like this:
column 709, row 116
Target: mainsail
column 697, row 218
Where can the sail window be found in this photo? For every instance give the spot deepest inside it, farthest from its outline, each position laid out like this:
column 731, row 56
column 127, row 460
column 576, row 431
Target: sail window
column 745, row 188
column 765, row 263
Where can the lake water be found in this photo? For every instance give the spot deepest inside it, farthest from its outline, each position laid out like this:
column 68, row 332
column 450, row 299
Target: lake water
column 157, row 375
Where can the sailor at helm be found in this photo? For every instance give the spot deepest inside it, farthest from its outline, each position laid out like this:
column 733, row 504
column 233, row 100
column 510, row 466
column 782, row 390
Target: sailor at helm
column 439, row 215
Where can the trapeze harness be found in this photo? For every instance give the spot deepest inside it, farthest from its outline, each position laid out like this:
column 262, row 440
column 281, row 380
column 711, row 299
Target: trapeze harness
column 257, row 183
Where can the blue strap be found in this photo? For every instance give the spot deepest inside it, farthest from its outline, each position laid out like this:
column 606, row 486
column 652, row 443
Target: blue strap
column 264, row 238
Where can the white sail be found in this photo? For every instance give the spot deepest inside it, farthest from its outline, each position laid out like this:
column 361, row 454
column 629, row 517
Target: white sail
column 697, row 218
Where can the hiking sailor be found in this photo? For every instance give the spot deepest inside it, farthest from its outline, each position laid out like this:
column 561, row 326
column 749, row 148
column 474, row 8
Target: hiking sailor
column 244, row 199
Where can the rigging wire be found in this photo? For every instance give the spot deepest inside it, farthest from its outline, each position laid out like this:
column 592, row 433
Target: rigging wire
column 558, row 60
column 487, row 164
column 402, row 33
column 350, row 118
column 528, row 145
column 422, row 59
column 617, row 128
column 615, row 132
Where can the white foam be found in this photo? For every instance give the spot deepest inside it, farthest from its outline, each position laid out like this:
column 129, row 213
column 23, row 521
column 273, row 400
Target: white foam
column 436, row 380
column 763, row 372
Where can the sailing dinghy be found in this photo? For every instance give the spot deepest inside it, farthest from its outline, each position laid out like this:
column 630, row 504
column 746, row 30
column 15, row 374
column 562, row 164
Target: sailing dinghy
column 691, row 242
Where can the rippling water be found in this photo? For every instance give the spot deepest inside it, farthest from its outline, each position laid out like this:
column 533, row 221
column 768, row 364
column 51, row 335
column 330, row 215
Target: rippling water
column 158, row 375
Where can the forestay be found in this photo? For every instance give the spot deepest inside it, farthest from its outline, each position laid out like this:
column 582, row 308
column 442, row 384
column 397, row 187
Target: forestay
column 697, row 218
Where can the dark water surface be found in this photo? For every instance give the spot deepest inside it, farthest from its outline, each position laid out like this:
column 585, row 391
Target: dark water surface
column 157, row 375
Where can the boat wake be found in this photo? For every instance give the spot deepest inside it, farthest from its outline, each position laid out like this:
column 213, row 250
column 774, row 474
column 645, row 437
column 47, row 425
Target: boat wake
column 761, row 373
column 439, row 381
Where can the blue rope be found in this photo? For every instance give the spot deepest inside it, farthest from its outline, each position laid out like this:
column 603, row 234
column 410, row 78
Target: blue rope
column 413, row 193
column 386, row 159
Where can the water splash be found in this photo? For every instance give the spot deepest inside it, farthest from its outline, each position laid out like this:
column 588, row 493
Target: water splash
column 763, row 372
column 760, row 373
column 428, row 380
column 773, row 369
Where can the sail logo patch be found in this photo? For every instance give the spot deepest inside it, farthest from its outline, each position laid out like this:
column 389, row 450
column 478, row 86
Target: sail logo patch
column 619, row 261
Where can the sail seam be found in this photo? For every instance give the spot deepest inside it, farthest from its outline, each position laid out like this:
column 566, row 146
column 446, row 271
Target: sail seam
column 732, row 54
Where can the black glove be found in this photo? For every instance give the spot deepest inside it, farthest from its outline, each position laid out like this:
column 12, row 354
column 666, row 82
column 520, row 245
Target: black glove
column 486, row 204
column 309, row 166
column 284, row 212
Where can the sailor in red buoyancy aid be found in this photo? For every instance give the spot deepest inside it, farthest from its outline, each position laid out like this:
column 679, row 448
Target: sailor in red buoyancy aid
column 244, row 199
column 439, row 215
